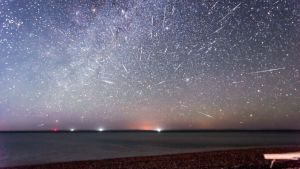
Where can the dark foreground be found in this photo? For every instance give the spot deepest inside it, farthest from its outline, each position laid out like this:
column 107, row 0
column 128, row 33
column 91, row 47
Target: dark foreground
column 232, row 159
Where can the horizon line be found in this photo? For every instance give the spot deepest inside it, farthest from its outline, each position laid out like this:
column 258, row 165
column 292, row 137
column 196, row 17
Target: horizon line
column 154, row 130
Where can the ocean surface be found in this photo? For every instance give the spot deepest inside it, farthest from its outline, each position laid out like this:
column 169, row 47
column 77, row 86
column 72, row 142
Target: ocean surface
column 39, row 148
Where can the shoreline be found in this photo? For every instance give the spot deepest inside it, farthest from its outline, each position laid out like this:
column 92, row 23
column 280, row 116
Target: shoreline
column 152, row 131
column 237, row 159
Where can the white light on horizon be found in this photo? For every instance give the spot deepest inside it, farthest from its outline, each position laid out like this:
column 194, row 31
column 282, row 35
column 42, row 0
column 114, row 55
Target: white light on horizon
column 100, row 129
column 158, row 130
column 72, row 129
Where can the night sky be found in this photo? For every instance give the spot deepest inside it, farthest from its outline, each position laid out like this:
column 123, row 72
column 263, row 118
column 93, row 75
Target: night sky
column 148, row 64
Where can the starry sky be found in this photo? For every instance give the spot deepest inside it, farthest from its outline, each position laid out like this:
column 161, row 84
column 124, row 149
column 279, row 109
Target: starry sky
column 147, row 64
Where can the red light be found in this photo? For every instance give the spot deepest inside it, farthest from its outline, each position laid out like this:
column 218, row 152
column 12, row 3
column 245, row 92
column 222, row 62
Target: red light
column 55, row 130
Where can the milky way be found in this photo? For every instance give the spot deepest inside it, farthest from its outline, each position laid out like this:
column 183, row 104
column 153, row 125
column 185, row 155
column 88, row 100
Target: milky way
column 149, row 64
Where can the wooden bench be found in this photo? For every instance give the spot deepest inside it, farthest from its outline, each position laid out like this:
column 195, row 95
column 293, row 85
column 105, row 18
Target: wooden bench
column 282, row 156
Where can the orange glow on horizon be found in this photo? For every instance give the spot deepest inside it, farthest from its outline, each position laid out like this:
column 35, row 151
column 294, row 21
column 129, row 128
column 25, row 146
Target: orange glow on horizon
column 147, row 126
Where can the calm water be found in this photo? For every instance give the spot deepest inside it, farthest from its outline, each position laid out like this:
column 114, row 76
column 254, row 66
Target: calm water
column 37, row 148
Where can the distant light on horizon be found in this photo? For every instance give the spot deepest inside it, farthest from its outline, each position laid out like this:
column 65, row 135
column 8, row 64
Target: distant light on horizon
column 158, row 130
column 72, row 129
column 100, row 129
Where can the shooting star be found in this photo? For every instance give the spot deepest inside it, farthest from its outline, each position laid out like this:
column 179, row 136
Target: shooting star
column 161, row 82
column 108, row 82
column 268, row 70
column 41, row 125
column 125, row 68
column 178, row 67
column 230, row 12
column 207, row 115
column 236, row 7
column 112, row 32
column 216, row 31
column 236, row 82
column 212, row 7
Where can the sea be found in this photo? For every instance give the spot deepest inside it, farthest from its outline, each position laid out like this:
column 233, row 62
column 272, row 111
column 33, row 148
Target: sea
column 18, row 149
